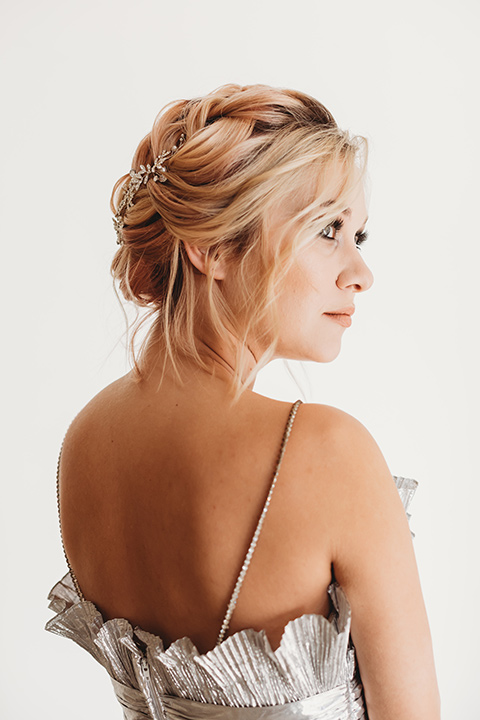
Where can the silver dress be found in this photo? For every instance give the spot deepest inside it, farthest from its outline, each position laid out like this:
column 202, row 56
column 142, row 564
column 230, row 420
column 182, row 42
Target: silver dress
column 312, row 675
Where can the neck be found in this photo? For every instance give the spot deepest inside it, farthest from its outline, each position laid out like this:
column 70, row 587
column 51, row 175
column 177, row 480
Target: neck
column 220, row 358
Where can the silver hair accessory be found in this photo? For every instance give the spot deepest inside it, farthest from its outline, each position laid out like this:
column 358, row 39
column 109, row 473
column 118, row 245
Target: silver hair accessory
column 141, row 177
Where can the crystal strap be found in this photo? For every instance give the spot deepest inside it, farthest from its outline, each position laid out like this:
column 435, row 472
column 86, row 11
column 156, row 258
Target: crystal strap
column 253, row 544
column 57, row 486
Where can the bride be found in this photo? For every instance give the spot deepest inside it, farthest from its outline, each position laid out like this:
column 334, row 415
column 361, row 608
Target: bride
column 228, row 551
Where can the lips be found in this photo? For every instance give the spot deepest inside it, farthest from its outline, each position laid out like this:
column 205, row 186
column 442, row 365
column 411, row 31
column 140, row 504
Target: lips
column 343, row 316
column 349, row 310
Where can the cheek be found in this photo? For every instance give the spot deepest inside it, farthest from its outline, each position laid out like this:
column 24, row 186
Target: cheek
column 311, row 278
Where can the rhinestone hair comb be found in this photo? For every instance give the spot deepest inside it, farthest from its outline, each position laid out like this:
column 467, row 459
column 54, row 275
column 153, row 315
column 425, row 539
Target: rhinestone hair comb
column 141, row 177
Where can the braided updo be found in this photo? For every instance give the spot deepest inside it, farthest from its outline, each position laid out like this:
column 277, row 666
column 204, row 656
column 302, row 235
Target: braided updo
column 246, row 150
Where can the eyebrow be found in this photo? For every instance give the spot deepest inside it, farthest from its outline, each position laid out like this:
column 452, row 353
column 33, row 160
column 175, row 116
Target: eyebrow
column 348, row 212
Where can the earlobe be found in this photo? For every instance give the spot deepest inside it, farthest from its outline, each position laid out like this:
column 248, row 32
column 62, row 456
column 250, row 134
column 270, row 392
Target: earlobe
column 199, row 257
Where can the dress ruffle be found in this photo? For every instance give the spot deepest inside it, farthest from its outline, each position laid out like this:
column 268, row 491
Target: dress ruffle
column 315, row 655
column 243, row 670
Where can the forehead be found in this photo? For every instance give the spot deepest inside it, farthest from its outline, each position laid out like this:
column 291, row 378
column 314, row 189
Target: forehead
column 320, row 192
column 357, row 208
column 336, row 186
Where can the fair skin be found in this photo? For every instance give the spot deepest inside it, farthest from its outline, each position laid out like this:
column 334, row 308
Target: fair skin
column 161, row 490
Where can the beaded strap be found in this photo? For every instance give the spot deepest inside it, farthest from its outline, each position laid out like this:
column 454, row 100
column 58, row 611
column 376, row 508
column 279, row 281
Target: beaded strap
column 253, row 544
column 72, row 574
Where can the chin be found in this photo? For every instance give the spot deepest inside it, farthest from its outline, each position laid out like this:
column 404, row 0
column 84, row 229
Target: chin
column 327, row 353
column 318, row 355
column 300, row 347
column 327, row 357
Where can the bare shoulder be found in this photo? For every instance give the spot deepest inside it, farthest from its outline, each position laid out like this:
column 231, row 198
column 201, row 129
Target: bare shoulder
column 91, row 425
column 349, row 475
column 339, row 438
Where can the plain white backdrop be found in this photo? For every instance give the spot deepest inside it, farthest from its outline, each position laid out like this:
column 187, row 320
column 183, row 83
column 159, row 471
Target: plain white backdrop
column 82, row 82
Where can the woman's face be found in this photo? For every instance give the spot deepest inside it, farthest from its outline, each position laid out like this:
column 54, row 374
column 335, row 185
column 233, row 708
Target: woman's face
column 324, row 280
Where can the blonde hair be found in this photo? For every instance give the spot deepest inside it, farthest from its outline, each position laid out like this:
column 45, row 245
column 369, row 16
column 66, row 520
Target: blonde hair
column 247, row 149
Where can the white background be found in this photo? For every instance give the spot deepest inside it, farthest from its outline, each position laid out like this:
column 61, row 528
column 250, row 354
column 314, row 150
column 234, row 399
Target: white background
column 82, row 84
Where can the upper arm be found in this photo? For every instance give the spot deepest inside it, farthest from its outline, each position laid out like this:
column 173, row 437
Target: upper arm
column 374, row 562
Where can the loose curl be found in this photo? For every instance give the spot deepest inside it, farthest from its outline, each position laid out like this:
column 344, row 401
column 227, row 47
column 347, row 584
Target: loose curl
column 248, row 151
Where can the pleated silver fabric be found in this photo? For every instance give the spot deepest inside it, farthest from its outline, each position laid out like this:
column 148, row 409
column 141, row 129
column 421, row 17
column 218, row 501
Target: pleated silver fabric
column 313, row 673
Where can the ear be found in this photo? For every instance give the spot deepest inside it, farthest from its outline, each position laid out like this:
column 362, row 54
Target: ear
column 200, row 260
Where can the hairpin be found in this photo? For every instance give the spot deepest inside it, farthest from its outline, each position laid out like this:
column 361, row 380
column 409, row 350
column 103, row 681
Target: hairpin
column 140, row 177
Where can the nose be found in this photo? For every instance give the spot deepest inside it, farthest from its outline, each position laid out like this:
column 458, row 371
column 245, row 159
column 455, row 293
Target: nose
column 356, row 274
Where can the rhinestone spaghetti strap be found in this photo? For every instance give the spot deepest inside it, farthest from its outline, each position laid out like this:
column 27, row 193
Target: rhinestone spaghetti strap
column 72, row 574
column 253, row 544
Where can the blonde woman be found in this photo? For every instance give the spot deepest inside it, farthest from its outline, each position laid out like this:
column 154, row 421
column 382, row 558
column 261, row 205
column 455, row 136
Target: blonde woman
column 231, row 555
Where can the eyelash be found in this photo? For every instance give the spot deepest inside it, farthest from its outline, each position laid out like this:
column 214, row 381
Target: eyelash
column 337, row 225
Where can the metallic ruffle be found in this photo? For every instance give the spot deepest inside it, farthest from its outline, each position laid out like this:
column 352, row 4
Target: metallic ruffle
column 312, row 674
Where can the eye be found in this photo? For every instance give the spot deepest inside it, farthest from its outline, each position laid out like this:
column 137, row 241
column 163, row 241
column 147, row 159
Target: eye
column 360, row 238
column 330, row 231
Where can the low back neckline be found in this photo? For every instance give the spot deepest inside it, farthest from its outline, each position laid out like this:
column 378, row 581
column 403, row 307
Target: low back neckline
column 253, row 543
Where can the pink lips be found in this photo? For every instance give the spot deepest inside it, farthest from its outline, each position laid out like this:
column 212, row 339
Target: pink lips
column 343, row 316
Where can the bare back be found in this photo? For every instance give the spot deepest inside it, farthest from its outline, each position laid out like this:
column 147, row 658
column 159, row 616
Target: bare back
column 160, row 495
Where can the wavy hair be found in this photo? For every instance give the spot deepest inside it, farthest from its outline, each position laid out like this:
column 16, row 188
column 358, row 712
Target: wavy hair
column 247, row 152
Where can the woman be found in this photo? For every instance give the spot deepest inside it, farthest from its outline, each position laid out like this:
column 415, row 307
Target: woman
column 278, row 576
